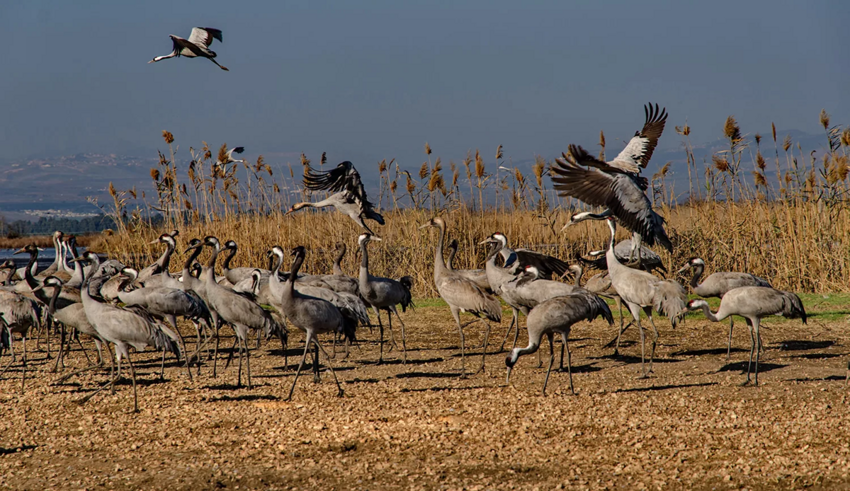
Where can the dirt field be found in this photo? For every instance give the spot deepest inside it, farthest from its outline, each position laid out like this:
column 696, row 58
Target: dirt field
column 420, row 426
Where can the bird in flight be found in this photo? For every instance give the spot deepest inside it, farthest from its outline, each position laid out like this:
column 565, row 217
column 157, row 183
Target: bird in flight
column 198, row 45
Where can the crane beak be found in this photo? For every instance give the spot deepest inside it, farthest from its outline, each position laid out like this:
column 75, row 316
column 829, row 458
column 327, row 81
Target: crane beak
column 20, row 251
column 79, row 259
column 508, row 376
column 424, row 226
column 199, row 244
column 375, row 238
column 565, row 226
column 154, row 241
column 685, row 268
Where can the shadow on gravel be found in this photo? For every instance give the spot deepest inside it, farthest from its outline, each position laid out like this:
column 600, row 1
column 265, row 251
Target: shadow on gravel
column 663, row 387
column 441, row 389
column 799, row 345
column 741, row 366
column 704, row 352
column 246, row 397
column 22, row 448
column 628, row 359
column 399, row 361
column 831, row 378
column 363, row 381
column 818, row 356
column 428, row 375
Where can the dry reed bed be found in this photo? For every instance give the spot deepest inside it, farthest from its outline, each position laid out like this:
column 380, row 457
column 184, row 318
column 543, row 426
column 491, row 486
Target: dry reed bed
column 796, row 247
column 793, row 233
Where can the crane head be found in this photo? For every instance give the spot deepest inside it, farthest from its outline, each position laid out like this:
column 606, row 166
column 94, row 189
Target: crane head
column 298, row 251
column 692, row 262
column 194, row 244
column 230, row 244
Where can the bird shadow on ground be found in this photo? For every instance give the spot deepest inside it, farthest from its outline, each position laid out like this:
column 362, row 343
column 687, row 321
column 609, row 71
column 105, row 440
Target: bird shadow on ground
column 831, row 378
column 704, row 352
column 421, row 361
column 662, row 387
column 631, row 360
column 741, row 366
column 441, row 389
column 363, row 381
column 589, row 368
column 803, row 345
column 231, row 386
column 246, row 397
column 22, row 448
column 428, row 375
column 819, row 356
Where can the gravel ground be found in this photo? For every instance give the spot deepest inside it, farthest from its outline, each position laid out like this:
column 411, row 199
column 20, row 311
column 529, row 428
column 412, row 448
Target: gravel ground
column 420, row 426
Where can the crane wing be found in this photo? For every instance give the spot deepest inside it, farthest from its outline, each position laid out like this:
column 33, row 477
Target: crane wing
column 619, row 193
column 203, row 36
column 639, row 150
column 546, row 265
column 344, row 177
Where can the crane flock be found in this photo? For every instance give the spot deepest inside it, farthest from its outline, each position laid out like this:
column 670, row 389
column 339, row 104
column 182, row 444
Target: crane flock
column 121, row 308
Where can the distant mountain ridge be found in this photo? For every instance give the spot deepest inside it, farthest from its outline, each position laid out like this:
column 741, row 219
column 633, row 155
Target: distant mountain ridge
column 62, row 183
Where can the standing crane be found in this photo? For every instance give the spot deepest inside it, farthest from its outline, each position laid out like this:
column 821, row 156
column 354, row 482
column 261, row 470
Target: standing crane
column 557, row 315
column 17, row 315
column 161, row 264
column 123, row 328
column 641, row 290
column 384, row 294
column 718, row 284
column 617, row 185
column 314, row 316
column 462, row 295
column 517, row 259
column 753, row 303
column 237, row 310
column 479, row 276
column 197, row 46
column 350, row 195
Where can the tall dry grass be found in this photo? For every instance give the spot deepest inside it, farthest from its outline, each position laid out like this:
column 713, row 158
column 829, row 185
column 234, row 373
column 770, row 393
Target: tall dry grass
column 795, row 232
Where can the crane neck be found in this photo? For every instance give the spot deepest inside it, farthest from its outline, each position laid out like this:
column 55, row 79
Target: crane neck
column 187, row 266
column 709, row 314
column 230, row 255
column 517, row 352
column 51, row 307
column 698, row 270
column 451, row 257
column 296, row 266
column 28, row 275
column 211, row 261
column 338, row 261
column 439, row 262
column 165, row 259
column 57, row 247
column 579, row 275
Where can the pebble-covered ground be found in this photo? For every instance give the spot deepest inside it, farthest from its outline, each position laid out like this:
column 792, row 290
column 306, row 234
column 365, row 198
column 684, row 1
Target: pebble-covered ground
column 420, row 426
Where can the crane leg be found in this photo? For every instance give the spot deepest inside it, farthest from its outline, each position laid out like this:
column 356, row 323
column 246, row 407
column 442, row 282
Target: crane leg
column 59, row 356
column 758, row 349
column 484, row 350
column 729, row 344
column 340, row 392
column 510, row 327
column 133, row 378
column 232, row 349
column 300, row 365
column 551, row 360
column 456, row 315
column 215, row 353
column 752, row 348
column 239, row 371
column 172, row 320
column 316, row 377
column 248, row 362
column 82, row 348
column 394, row 310
column 566, row 344
column 162, row 367
column 648, row 311
column 380, row 337
column 24, row 369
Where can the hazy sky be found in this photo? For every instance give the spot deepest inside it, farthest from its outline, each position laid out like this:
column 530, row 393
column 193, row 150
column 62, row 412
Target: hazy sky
column 371, row 80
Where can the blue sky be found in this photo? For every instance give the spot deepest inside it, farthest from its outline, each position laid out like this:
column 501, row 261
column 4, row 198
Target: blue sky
column 366, row 81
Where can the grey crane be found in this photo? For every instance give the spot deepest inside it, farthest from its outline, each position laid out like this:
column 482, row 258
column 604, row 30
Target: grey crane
column 123, row 328
column 76, row 280
column 617, row 185
column 517, row 259
column 521, row 296
column 339, row 281
column 18, row 314
column 718, row 284
column 462, row 294
column 237, row 310
column 314, row 316
column 235, row 275
column 167, row 304
column 641, row 290
column 647, row 259
column 600, row 284
column 161, row 264
column 558, row 315
column 384, row 294
column 479, row 276
column 753, row 303
column 228, row 157
column 198, row 45
column 9, row 267
column 72, row 315
column 351, row 306
column 350, row 195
